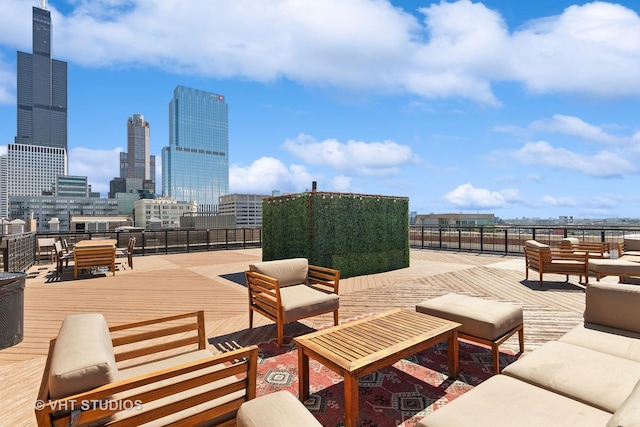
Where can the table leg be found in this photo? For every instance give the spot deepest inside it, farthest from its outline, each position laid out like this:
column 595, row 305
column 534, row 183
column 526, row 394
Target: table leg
column 452, row 351
column 351, row 401
column 303, row 375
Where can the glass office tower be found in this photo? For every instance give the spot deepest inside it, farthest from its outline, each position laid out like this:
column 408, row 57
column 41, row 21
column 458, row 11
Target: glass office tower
column 41, row 90
column 195, row 165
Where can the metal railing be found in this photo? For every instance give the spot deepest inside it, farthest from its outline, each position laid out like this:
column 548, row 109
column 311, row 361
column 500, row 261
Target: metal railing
column 509, row 239
column 19, row 251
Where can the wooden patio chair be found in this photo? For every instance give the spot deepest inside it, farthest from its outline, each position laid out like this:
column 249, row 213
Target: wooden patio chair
column 289, row 290
column 544, row 259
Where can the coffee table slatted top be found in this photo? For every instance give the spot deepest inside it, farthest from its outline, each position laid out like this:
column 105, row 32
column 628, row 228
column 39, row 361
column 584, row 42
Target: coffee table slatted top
column 356, row 344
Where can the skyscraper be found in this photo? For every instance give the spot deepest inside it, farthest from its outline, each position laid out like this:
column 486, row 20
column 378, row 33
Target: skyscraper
column 39, row 154
column 137, row 165
column 195, row 165
column 42, row 90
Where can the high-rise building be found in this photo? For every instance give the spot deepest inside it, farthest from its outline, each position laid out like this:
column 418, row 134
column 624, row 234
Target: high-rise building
column 42, row 90
column 39, row 154
column 137, row 165
column 195, row 165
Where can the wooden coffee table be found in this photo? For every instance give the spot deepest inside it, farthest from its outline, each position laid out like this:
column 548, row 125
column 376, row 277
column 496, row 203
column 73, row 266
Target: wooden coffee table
column 358, row 348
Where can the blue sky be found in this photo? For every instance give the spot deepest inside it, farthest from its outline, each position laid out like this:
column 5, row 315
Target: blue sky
column 517, row 108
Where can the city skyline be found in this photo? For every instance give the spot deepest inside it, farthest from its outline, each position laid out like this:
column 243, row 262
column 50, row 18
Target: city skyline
column 513, row 108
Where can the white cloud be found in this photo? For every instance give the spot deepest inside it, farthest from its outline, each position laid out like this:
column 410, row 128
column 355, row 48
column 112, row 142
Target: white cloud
column 100, row 166
column 267, row 174
column 341, row 184
column 575, row 126
column 559, row 201
column 466, row 196
column 602, row 164
column 457, row 51
column 355, row 157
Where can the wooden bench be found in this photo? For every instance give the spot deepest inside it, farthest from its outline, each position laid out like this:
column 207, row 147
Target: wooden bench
column 593, row 249
column 95, row 374
column 94, row 257
column 544, row 259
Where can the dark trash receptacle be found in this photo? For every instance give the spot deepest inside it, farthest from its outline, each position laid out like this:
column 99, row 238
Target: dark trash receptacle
column 11, row 308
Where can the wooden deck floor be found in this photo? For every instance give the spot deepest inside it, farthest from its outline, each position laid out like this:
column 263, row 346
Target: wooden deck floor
column 161, row 285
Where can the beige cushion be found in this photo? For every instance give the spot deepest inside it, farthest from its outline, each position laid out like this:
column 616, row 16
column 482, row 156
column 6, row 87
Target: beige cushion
column 616, row 342
column 301, row 301
column 536, row 245
column 628, row 415
column 569, row 242
column 502, row 401
column 594, row 378
column 614, row 267
column 631, row 244
column 279, row 409
column 288, row 271
column 82, row 357
column 614, row 305
column 479, row 317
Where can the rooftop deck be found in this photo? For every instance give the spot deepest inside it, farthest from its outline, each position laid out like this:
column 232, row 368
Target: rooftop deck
column 162, row 285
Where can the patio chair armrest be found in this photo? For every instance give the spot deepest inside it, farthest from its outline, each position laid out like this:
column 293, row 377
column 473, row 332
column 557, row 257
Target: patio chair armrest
column 324, row 276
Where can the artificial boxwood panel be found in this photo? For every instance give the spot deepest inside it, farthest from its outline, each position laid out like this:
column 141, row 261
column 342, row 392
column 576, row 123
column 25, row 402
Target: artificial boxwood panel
column 354, row 233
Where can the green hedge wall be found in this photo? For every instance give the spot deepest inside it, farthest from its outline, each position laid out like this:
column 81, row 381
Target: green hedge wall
column 355, row 233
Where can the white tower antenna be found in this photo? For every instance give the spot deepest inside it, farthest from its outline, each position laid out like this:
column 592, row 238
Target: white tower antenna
column 44, row 4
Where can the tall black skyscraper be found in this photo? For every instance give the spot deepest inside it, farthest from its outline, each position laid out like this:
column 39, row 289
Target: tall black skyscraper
column 42, row 90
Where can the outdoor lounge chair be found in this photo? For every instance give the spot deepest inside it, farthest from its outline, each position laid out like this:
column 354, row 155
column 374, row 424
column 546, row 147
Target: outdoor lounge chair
column 128, row 251
column 95, row 374
column 593, row 249
column 289, row 290
column 544, row 259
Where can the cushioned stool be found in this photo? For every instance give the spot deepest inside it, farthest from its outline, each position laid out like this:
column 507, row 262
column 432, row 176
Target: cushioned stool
column 622, row 268
column 279, row 409
column 483, row 321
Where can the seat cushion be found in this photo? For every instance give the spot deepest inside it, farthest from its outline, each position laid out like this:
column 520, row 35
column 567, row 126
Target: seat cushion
column 616, row 342
column 289, row 272
column 632, row 244
column 591, row 377
column 301, row 301
column 502, row 401
column 82, row 356
column 614, row 267
column 535, row 244
column 479, row 317
column 279, row 409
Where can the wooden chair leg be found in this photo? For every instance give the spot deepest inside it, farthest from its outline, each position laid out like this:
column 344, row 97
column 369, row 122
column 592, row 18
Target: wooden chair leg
column 250, row 318
column 335, row 317
column 495, row 356
column 521, row 339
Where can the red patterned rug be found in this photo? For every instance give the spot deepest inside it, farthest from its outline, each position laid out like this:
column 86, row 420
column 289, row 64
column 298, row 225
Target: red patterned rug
column 399, row 395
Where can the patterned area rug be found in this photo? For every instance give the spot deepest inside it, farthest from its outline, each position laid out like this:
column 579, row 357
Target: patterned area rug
column 399, row 395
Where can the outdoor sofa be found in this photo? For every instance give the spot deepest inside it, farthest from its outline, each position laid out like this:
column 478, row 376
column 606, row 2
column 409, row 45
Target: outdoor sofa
column 547, row 260
column 589, row 377
column 152, row 373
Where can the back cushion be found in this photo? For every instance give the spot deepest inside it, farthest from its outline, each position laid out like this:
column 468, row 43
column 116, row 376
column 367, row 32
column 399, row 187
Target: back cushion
column 631, row 244
column 535, row 244
column 288, row 271
column 569, row 242
column 82, row 356
column 614, row 305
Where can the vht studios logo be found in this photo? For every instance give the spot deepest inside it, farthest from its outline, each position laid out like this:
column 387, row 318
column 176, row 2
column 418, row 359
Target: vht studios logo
column 85, row 405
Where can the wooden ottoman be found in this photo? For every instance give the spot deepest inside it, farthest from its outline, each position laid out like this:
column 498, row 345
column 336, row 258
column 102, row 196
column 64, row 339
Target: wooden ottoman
column 483, row 321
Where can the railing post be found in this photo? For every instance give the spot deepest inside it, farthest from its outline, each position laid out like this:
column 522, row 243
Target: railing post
column 481, row 238
column 440, row 237
column 188, row 241
column 506, row 241
column 459, row 238
column 208, row 240
column 422, row 236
